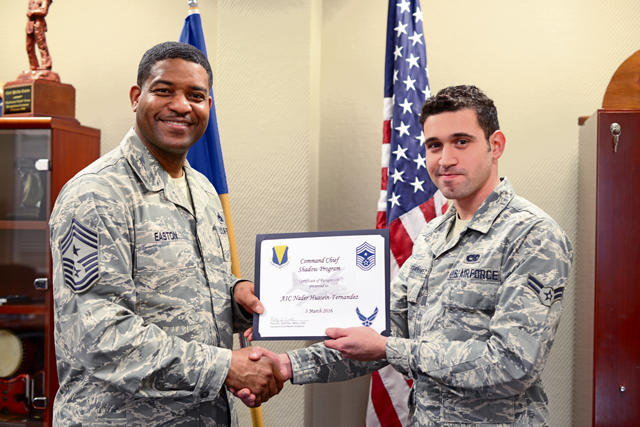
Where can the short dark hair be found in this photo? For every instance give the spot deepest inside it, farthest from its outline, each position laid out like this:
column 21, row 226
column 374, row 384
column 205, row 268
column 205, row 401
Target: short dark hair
column 172, row 50
column 455, row 98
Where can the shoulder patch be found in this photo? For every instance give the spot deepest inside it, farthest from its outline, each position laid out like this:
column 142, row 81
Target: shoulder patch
column 79, row 248
column 547, row 294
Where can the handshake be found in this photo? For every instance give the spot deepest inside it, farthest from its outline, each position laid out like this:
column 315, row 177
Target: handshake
column 256, row 374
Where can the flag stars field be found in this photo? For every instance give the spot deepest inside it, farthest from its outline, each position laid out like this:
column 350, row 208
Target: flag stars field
column 404, row 177
column 406, row 89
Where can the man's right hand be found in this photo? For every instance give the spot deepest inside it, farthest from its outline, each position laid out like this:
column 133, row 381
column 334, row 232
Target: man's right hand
column 282, row 361
column 260, row 375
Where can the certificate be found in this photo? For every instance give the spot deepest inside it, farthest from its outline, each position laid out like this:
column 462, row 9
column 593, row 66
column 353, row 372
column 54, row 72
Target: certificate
column 308, row 282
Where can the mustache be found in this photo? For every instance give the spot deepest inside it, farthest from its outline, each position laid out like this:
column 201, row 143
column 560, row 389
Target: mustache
column 184, row 119
column 449, row 171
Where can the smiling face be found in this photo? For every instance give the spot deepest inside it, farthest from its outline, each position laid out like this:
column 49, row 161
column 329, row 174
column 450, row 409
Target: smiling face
column 172, row 109
column 459, row 161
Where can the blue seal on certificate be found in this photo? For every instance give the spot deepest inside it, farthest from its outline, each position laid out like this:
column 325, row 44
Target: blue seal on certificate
column 365, row 256
column 280, row 256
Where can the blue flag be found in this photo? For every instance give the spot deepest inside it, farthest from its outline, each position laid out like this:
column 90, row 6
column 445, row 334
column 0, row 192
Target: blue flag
column 206, row 155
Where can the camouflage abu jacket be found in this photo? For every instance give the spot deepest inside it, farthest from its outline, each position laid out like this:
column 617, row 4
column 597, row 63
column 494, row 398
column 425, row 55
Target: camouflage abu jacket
column 144, row 313
column 473, row 319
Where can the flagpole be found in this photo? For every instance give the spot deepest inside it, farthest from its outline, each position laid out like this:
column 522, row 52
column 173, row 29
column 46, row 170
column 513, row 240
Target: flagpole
column 256, row 413
column 198, row 41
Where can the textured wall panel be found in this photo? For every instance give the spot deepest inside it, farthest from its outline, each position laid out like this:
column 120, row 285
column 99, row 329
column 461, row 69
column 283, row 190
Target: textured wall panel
column 352, row 83
column 263, row 94
column 263, row 97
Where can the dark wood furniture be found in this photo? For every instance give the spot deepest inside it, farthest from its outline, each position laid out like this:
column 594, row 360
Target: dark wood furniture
column 608, row 251
column 38, row 156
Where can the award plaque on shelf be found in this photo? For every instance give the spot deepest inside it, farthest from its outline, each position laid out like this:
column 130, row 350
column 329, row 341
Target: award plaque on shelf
column 42, row 146
column 28, row 97
column 38, row 92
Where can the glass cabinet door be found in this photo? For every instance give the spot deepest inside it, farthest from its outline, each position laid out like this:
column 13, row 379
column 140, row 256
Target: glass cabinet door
column 24, row 211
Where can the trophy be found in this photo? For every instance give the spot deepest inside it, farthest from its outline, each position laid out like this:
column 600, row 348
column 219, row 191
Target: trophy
column 38, row 92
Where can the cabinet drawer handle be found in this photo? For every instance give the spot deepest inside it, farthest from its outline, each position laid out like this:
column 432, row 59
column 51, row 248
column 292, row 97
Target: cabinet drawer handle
column 41, row 284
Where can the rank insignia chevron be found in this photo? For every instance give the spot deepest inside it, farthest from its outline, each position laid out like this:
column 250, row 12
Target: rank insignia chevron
column 547, row 294
column 79, row 249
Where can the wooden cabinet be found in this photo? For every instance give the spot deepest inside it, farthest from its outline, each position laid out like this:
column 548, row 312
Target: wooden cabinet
column 37, row 157
column 607, row 359
column 617, row 296
column 607, row 388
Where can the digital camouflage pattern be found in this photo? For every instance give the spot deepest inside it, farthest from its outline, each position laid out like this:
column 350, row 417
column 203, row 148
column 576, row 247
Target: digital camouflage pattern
column 468, row 324
column 148, row 341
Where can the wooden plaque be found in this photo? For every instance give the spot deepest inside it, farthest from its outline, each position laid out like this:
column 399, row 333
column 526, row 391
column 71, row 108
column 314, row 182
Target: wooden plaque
column 39, row 98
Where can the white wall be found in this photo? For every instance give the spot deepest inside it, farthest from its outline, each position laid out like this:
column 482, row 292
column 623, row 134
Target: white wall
column 298, row 87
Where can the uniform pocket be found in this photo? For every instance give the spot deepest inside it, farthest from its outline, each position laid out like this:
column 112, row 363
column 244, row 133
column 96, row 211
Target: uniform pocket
column 165, row 255
column 413, row 289
column 416, row 279
column 469, row 308
column 167, row 278
column 477, row 411
column 105, row 420
column 169, row 298
column 471, row 296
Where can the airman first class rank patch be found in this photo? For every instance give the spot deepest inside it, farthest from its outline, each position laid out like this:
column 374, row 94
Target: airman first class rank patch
column 79, row 249
column 547, row 294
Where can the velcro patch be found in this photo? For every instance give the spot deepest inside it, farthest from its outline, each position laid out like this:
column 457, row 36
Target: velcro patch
column 547, row 294
column 79, row 249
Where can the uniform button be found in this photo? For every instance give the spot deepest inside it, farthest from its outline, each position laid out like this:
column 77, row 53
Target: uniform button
column 204, row 394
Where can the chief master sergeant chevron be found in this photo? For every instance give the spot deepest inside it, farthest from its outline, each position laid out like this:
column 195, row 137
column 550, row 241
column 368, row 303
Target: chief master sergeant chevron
column 475, row 308
column 145, row 301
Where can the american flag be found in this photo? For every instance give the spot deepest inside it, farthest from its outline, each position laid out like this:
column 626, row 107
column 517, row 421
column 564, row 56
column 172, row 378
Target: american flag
column 408, row 198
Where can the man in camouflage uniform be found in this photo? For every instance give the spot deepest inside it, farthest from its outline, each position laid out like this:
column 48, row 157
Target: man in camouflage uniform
column 475, row 309
column 145, row 301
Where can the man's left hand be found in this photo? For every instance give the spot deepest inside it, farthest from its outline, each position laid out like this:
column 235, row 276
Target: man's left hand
column 359, row 343
column 243, row 293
